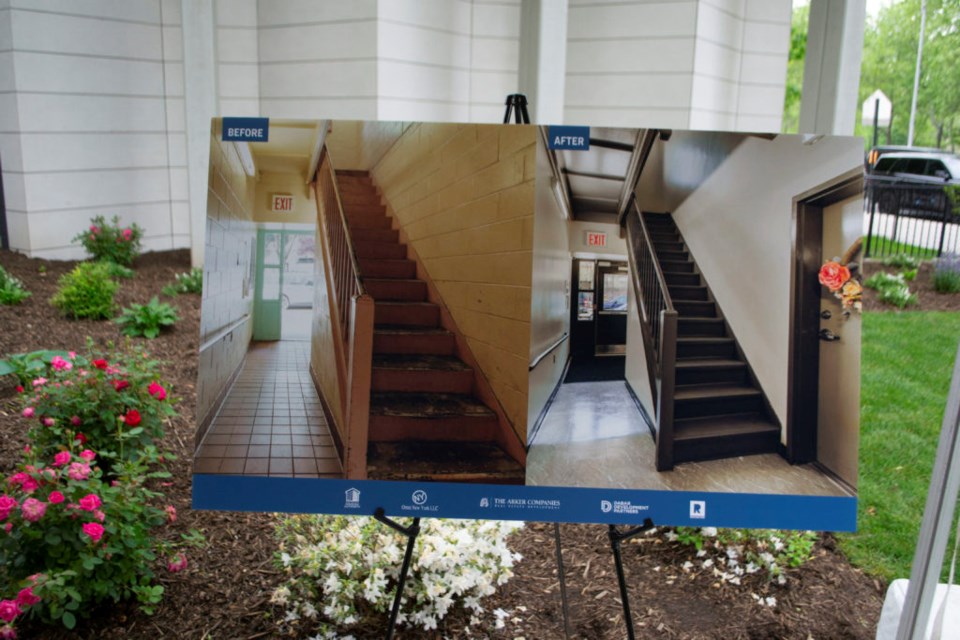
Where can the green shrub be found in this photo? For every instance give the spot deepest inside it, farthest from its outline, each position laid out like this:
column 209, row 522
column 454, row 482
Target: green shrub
column 11, row 289
column 112, row 401
column 86, row 292
column 902, row 261
column 191, row 282
column 891, row 289
column 118, row 270
column 147, row 320
column 75, row 539
column 110, row 242
column 946, row 274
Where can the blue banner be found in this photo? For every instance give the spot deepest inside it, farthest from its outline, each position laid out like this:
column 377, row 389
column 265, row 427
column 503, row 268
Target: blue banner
column 571, row 138
column 246, row 129
column 508, row 502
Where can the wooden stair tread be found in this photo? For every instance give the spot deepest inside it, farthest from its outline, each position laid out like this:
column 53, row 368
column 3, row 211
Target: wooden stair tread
column 709, row 363
column 427, row 405
column 720, row 426
column 442, row 462
column 713, row 391
column 405, row 303
column 419, row 362
column 705, row 339
column 406, row 330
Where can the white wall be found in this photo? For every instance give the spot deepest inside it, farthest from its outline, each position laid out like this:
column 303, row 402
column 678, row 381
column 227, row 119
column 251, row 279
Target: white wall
column 96, row 122
column 635, row 368
column 738, row 226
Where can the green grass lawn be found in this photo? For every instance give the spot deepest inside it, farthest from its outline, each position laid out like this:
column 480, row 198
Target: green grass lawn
column 907, row 363
column 881, row 247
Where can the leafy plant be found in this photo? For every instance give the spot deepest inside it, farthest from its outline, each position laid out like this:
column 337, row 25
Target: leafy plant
column 74, row 540
column 946, row 274
column 113, row 402
column 110, row 242
column 28, row 366
column 86, row 292
column 891, row 289
column 118, row 270
column 147, row 320
column 191, row 282
column 341, row 570
column 11, row 289
column 902, row 261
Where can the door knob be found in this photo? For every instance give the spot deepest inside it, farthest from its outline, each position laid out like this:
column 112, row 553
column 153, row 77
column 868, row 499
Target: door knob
column 828, row 336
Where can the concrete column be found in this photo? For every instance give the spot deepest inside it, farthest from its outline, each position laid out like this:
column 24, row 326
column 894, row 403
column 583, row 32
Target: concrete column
column 200, row 99
column 543, row 58
column 831, row 72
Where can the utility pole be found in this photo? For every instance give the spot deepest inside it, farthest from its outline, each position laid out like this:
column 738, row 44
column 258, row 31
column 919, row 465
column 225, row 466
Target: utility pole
column 916, row 74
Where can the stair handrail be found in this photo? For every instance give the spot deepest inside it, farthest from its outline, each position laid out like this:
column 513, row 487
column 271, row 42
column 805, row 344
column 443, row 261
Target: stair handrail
column 352, row 318
column 658, row 326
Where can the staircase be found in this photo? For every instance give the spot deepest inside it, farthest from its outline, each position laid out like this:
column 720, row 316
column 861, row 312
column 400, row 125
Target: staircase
column 719, row 409
column 425, row 423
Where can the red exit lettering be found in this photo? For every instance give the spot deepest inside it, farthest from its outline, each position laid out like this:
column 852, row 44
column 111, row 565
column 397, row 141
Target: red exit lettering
column 596, row 239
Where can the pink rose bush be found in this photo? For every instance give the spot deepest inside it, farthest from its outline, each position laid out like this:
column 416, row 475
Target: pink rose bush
column 109, row 241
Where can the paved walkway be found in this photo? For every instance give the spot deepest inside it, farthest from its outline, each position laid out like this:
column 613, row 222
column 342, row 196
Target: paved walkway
column 271, row 422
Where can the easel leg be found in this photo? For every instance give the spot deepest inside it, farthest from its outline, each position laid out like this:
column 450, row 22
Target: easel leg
column 411, row 532
column 616, row 537
column 564, row 604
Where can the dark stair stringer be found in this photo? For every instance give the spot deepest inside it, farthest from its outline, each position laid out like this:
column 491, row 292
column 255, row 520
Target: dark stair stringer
column 719, row 409
column 425, row 422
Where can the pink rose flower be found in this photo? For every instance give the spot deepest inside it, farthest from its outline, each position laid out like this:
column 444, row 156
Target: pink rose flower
column 28, row 412
column 79, row 471
column 32, row 510
column 8, row 527
column 157, row 391
column 120, row 385
column 72, row 354
column 93, row 530
column 94, row 229
column 19, row 388
column 82, row 439
column 99, row 515
column 9, row 609
column 127, row 234
column 30, row 485
column 90, row 502
column 39, row 382
column 48, row 422
column 88, row 455
column 171, row 513
column 61, row 458
column 8, row 633
column 55, row 497
column 75, row 421
column 179, row 563
column 27, row 598
column 7, row 504
column 18, row 478
column 61, row 364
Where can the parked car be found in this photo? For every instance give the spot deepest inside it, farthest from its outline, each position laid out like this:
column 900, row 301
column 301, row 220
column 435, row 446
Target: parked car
column 297, row 290
column 912, row 182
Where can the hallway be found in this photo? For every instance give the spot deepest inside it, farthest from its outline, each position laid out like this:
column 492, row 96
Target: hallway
column 271, row 422
column 594, row 436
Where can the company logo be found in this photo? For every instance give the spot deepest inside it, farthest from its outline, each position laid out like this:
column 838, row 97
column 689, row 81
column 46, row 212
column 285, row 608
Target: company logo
column 352, row 498
column 698, row 509
column 419, row 497
column 484, row 502
column 606, row 506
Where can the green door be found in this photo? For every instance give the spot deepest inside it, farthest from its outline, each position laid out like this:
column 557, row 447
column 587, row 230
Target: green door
column 267, row 292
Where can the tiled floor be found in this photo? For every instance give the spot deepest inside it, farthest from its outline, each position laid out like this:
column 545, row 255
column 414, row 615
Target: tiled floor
column 594, row 436
column 271, row 422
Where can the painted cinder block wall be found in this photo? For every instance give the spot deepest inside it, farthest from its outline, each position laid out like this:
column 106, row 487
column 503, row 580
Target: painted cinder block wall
column 226, row 322
column 463, row 198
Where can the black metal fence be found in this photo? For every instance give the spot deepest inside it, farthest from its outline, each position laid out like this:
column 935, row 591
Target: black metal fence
column 918, row 220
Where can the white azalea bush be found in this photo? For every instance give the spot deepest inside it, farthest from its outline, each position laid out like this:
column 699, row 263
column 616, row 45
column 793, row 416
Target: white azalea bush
column 342, row 571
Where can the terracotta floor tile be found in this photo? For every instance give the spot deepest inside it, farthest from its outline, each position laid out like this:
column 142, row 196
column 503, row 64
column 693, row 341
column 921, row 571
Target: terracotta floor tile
column 207, row 465
column 302, row 451
column 235, row 451
column 260, row 438
column 259, row 451
column 281, row 450
column 257, row 466
column 281, row 466
column 240, row 438
column 211, row 451
column 233, row 465
column 304, row 465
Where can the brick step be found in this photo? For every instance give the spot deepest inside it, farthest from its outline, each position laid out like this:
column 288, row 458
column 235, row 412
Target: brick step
column 724, row 437
column 711, row 371
column 701, row 401
column 391, row 250
column 418, row 314
column 424, row 461
column 414, row 373
column 382, row 268
column 690, row 327
column 360, row 234
column 396, row 289
column 400, row 339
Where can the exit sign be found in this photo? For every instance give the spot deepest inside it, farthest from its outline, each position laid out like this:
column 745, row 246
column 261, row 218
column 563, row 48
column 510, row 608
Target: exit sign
column 596, row 239
column 281, row 202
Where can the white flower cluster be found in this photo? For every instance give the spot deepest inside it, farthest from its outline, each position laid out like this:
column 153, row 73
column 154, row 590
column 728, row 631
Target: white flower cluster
column 346, row 568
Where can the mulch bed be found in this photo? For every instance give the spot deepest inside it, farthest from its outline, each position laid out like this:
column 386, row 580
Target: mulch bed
column 224, row 593
column 927, row 298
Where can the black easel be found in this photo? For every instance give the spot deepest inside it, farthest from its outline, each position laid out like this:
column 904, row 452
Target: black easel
column 411, row 532
column 517, row 106
column 616, row 537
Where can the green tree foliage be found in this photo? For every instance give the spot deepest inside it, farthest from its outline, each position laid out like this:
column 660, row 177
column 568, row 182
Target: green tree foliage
column 889, row 59
column 798, row 52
